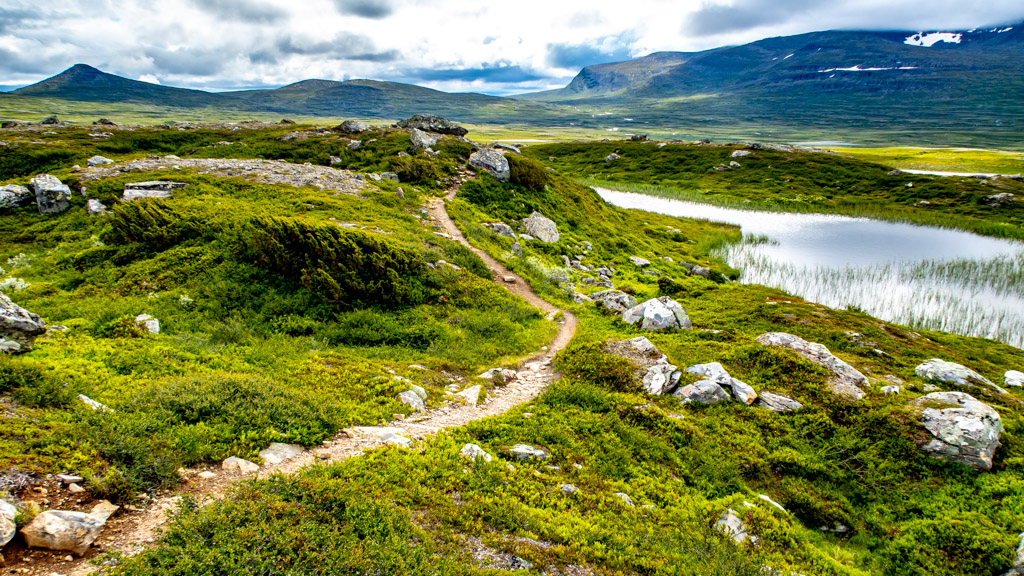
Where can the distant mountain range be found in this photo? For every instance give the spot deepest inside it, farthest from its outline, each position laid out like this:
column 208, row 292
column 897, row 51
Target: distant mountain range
column 955, row 87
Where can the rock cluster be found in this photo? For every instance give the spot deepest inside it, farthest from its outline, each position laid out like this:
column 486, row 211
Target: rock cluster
column 717, row 376
column 19, row 328
column 846, row 380
column 614, row 301
column 964, row 430
column 661, row 313
column 501, row 229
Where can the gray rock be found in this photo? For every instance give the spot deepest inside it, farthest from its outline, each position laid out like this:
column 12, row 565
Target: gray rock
column 527, row 452
column 389, row 176
column 846, row 380
column 430, row 123
column 7, row 526
column 471, row 395
column 62, row 530
column 151, row 189
column 242, row 465
column 352, row 127
column 998, row 200
column 501, row 229
column 500, row 375
column 412, row 400
column 419, row 390
column 614, row 300
column 658, row 379
column 581, row 298
column 568, row 489
column 95, row 207
column 12, row 196
column 891, row 389
column 612, row 157
column 52, row 196
column 743, row 392
column 278, row 452
column 1014, row 378
column 509, row 147
column 964, row 430
column 396, row 440
column 151, row 325
column 739, row 154
column 355, row 145
column 953, row 373
column 473, row 452
column 625, row 499
column 541, row 228
column 492, row 161
column 98, row 161
column 641, row 262
column 703, row 392
column 421, row 139
column 19, row 328
column 517, row 249
column 50, row 120
column 778, row 402
column 730, row 525
column 662, row 313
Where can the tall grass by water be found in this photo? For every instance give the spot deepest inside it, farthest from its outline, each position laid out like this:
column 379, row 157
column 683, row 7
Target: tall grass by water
column 970, row 297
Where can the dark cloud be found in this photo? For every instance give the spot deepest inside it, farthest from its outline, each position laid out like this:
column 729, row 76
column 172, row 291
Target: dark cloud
column 609, row 49
column 344, row 46
column 744, row 15
column 17, row 18
column 242, row 11
column 375, row 9
column 497, row 73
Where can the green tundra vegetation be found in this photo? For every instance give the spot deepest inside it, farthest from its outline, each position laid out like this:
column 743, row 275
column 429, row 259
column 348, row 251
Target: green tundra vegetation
column 790, row 181
column 278, row 324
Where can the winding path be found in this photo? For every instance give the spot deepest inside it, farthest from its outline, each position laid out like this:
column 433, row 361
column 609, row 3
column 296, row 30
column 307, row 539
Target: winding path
column 132, row 531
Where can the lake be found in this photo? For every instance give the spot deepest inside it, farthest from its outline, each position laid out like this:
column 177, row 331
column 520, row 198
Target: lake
column 920, row 276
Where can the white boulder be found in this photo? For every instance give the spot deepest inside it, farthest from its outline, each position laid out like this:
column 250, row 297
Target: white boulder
column 541, row 227
column 1014, row 378
column 63, row 530
column 52, row 196
column 964, row 430
column 661, row 313
column 473, row 452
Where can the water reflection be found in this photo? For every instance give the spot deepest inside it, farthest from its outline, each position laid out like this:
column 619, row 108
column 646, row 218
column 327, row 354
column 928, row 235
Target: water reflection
column 921, row 276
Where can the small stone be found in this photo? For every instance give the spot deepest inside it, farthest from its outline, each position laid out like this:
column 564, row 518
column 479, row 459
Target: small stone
column 731, row 525
column 527, row 452
column 625, row 499
column 278, row 452
column 240, row 464
column 471, row 395
column 98, row 161
column 473, row 452
column 206, row 474
column 75, row 489
column 152, row 325
column 569, row 489
column 69, row 479
column 778, row 402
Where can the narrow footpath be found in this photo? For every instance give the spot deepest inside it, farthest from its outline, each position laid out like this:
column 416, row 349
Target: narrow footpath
column 133, row 530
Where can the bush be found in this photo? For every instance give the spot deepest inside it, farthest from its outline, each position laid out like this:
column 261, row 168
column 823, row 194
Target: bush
column 153, row 223
column 587, row 361
column 344, row 267
column 960, row 545
column 526, row 173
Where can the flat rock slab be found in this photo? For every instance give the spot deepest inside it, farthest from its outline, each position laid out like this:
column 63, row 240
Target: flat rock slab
column 778, row 402
column 846, row 380
column 151, row 189
column 953, row 373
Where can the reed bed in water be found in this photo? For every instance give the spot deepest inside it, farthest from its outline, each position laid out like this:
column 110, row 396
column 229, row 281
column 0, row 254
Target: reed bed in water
column 982, row 298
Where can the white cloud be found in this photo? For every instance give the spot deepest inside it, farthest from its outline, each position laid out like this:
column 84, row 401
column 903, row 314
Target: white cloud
column 505, row 46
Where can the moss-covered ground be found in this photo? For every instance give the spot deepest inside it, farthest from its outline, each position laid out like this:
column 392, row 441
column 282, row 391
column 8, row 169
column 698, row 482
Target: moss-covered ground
column 271, row 332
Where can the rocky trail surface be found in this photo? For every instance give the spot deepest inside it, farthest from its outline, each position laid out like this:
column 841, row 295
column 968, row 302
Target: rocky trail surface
column 136, row 528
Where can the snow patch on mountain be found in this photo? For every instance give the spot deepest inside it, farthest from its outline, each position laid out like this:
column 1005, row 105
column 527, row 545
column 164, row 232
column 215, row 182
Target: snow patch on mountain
column 922, row 39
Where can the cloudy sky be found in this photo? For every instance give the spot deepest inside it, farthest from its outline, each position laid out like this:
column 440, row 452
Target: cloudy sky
column 455, row 45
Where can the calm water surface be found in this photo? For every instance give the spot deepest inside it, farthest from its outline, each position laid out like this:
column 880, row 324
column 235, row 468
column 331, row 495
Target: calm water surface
column 925, row 277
